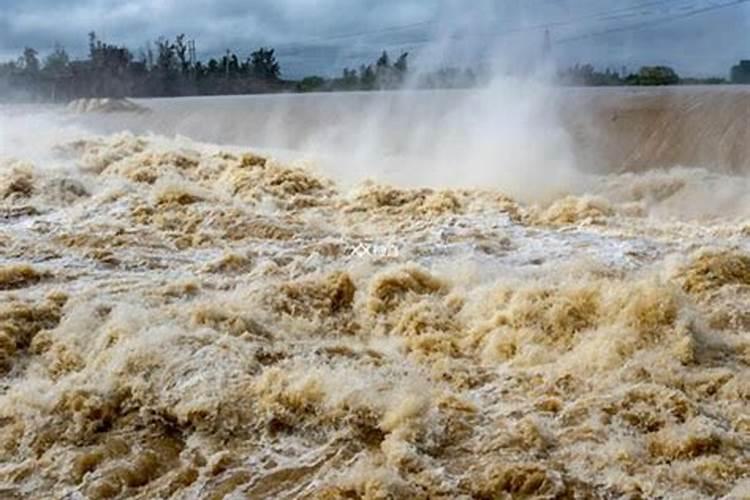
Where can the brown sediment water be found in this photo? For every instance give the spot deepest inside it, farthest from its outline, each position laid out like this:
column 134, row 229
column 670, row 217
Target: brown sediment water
column 185, row 320
column 611, row 129
column 639, row 129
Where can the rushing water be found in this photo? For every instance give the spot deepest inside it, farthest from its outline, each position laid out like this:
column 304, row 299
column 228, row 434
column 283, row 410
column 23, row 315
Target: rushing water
column 187, row 320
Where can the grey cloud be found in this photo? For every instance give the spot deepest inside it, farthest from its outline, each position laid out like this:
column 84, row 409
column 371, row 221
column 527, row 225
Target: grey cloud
column 305, row 31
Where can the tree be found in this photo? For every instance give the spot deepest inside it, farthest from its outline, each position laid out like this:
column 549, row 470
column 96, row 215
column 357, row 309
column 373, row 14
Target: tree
column 264, row 64
column 9, row 68
column 92, row 45
column 349, row 79
column 200, row 70
column 654, row 75
column 106, row 58
column 387, row 75
column 400, row 69
column 166, row 60
column 588, row 75
column 30, row 60
column 168, row 69
column 213, row 67
column 166, row 73
column 56, row 70
column 56, row 64
column 181, row 51
column 384, row 61
column 311, row 84
column 149, row 56
column 401, row 64
column 367, row 77
column 107, row 71
column 230, row 65
column 383, row 72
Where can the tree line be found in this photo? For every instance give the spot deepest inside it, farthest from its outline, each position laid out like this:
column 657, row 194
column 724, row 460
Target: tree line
column 387, row 74
column 587, row 75
column 170, row 68
column 166, row 70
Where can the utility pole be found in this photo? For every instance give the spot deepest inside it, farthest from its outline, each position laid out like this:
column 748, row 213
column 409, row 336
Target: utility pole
column 191, row 52
column 192, row 56
column 547, row 47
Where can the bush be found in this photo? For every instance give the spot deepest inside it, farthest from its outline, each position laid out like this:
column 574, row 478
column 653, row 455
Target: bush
column 311, row 84
column 654, row 75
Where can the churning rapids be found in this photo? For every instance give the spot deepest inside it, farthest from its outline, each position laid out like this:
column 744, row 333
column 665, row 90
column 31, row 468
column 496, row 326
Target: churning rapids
column 181, row 319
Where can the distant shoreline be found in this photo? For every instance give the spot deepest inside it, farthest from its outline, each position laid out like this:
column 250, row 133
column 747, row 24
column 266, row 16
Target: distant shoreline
column 172, row 70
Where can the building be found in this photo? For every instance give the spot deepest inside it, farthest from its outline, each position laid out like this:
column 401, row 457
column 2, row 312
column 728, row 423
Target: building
column 741, row 72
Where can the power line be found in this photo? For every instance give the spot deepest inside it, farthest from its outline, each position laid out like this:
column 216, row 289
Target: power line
column 603, row 16
column 655, row 22
column 613, row 14
column 342, row 36
column 375, row 32
column 609, row 15
column 598, row 17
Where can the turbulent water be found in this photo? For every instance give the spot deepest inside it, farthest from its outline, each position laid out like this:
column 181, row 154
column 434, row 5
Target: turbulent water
column 182, row 320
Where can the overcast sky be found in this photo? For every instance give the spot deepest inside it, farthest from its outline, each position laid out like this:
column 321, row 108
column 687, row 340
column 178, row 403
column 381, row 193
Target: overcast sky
column 697, row 37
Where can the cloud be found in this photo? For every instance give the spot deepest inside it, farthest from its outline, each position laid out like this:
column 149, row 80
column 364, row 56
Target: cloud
column 311, row 35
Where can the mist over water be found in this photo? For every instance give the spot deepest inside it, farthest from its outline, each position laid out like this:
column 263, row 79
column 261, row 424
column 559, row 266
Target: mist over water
column 520, row 291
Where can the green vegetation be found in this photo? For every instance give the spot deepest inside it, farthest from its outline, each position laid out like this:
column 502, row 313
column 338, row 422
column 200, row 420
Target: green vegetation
column 171, row 69
column 587, row 75
column 385, row 74
column 654, row 75
column 113, row 71
column 311, row 84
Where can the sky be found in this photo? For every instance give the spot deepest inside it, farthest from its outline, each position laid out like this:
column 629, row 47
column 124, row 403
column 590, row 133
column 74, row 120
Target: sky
column 696, row 37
